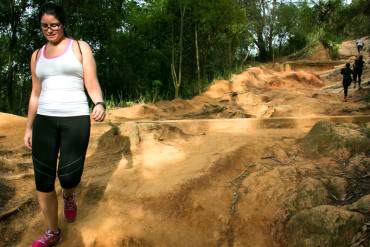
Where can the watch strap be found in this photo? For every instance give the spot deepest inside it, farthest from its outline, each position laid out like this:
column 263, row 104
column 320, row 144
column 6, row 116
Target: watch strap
column 100, row 103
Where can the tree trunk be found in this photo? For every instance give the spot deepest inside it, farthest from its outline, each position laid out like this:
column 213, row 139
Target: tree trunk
column 177, row 78
column 205, row 57
column 12, row 44
column 260, row 43
column 272, row 29
column 15, row 15
column 246, row 57
column 197, row 59
column 173, row 68
column 182, row 12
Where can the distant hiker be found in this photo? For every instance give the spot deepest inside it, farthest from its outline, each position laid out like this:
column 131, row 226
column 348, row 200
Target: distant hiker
column 347, row 79
column 360, row 45
column 357, row 71
column 59, row 118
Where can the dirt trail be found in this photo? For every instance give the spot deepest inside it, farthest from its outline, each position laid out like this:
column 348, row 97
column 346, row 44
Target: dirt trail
column 243, row 164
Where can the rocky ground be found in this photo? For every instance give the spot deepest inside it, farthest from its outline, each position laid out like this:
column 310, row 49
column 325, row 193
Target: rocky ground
column 270, row 157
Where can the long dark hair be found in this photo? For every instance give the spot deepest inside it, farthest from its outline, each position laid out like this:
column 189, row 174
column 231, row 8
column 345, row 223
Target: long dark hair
column 51, row 8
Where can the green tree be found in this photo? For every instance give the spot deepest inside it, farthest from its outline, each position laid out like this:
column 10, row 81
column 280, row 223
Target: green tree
column 11, row 14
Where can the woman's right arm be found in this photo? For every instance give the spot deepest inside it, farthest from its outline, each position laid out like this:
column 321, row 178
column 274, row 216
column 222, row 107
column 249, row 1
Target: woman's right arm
column 33, row 103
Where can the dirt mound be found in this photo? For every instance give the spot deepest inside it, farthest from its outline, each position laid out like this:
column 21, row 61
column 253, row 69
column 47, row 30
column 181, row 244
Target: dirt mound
column 268, row 77
column 219, row 89
column 348, row 49
column 328, row 138
column 314, row 52
column 6, row 119
column 318, row 52
column 253, row 93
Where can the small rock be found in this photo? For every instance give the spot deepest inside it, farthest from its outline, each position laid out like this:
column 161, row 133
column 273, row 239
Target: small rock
column 362, row 205
column 311, row 193
column 323, row 226
column 325, row 138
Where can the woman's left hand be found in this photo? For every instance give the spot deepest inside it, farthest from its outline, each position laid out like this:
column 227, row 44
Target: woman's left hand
column 98, row 113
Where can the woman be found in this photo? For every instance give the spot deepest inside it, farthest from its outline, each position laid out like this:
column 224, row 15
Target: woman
column 59, row 118
column 347, row 79
column 357, row 71
column 360, row 45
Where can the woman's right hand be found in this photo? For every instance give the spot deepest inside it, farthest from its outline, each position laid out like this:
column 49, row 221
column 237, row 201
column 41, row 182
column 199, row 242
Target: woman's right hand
column 28, row 138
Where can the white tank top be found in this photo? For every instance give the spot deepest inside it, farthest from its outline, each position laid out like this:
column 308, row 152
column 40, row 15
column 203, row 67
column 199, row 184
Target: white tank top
column 62, row 86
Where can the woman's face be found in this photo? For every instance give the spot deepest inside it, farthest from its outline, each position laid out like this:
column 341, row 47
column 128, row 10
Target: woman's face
column 52, row 29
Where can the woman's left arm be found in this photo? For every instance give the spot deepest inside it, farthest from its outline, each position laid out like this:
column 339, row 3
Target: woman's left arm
column 91, row 81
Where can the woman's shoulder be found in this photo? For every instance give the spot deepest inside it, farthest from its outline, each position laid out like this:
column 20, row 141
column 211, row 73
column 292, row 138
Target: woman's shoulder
column 36, row 53
column 83, row 46
column 82, row 43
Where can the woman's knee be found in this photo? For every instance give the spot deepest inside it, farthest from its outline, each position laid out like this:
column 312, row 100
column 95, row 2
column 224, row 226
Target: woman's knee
column 69, row 182
column 44, row 184
column 44, row 176
column 71, row 179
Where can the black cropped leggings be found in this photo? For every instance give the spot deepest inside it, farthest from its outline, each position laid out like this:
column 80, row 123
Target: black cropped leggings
column 357, row 76
column 346, row 84
column 68, row 136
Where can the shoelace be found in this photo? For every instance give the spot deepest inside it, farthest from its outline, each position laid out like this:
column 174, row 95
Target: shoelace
column 46, row 237
column 70, row 202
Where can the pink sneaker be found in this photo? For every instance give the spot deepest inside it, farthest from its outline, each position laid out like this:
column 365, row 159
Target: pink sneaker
column 50, row 238
column 70, row 207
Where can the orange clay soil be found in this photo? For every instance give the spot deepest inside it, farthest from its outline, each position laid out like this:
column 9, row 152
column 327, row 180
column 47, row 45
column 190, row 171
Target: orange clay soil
column 230, row 167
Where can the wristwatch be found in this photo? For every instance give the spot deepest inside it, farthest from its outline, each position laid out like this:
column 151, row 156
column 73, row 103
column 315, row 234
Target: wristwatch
column 100, row 103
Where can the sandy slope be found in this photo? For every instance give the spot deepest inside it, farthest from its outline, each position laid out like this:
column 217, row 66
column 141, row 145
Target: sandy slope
column 196, row 178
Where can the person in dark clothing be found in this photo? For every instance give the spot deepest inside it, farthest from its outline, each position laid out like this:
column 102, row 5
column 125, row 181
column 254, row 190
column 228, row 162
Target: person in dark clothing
column 347, row 79
column 357, row 71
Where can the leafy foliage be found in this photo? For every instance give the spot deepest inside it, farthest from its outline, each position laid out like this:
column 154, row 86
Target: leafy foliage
column 143, row 47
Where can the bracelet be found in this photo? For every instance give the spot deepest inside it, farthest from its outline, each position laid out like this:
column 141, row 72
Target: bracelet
column 100, row 103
